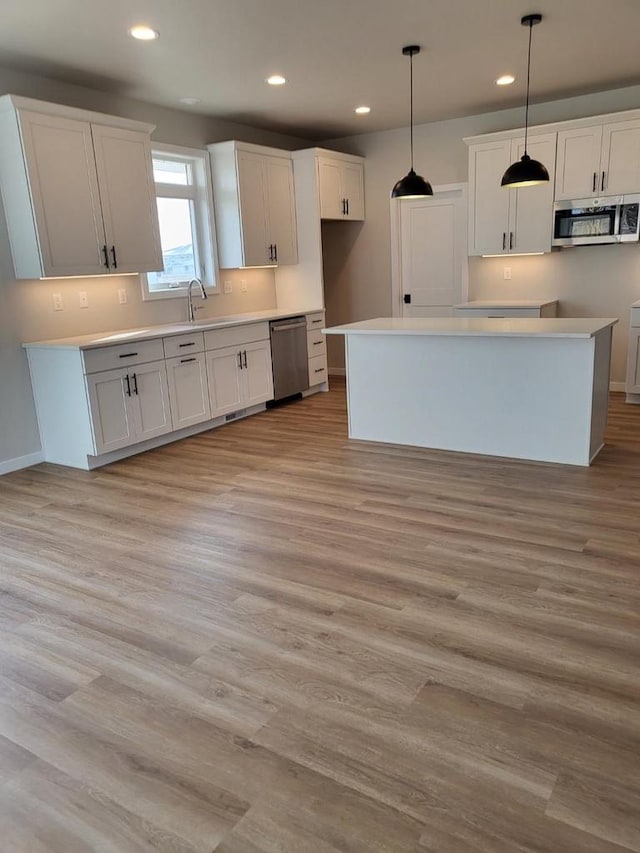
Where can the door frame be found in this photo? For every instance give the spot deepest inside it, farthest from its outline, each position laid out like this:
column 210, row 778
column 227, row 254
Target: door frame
column 457, row 192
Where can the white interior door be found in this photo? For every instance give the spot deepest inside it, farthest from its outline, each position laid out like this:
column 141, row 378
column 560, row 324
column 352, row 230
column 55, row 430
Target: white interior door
column 432, row 254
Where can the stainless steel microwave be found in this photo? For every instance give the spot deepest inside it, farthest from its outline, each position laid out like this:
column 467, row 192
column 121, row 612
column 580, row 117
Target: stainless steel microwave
column 589, row 221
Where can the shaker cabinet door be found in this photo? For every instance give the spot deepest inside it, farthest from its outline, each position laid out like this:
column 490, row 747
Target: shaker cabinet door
column 61, row 167
column 127, row 192
column 112, row 417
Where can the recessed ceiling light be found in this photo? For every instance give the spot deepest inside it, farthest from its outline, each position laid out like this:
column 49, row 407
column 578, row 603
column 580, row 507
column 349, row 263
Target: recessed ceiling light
column 505, row 80
column 362, row 111
column 189, row 101
column 276, row 80
column 143, row 33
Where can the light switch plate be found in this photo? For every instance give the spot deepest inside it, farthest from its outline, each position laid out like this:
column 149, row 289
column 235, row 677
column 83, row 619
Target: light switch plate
column 507, row 273
column 58, row 304
column 243, row 285
column 228, row 287
column 122, row 296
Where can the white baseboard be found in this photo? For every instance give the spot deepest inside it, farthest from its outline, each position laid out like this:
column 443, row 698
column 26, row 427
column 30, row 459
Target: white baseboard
column 337, row 371
column 9, row 465
column 617, row 386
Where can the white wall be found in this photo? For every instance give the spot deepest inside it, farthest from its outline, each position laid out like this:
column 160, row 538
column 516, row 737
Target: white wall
column 26, row 306
column 595, row 281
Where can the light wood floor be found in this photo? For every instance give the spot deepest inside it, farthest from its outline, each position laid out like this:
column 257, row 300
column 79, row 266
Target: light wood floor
column 267, row 638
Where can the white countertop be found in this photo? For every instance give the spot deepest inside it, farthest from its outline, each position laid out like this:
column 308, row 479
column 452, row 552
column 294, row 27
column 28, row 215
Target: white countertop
column 521, row 327
column 506, row 303
column 101, row 339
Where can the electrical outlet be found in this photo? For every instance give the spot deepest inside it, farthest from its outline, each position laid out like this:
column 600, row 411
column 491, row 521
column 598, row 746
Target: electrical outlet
column 83, row 299
column 122, row 296
column 58, row 304
column 507, row 273
column 243, row 285
column 228, row 287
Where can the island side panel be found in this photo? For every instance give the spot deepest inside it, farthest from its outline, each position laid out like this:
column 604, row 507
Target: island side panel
column 600, row 399
column 521, row 397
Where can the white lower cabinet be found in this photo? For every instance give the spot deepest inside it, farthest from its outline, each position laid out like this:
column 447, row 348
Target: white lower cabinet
column 106, row 402
column 225, row 380
column 188, row 391
column 239, row 376
column 128, row 405
column 633, row 362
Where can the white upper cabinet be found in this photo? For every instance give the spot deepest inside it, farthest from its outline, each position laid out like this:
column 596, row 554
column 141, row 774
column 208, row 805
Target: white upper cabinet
column 507, row 221
column 598, row 160
column 621, row 157
column 488, row 201
column 78, row 191
column 127, row 192
column 341, row 180
column 254, row 203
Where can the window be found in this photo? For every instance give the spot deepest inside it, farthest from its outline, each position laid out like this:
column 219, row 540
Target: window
column 185, row 211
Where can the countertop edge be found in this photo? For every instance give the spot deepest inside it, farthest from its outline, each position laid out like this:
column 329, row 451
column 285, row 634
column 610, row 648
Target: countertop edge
column 606, row 323
column 167, row 330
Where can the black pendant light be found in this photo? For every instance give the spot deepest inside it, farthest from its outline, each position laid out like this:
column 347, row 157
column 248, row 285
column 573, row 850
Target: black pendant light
column 412, row 185
column 526, row 172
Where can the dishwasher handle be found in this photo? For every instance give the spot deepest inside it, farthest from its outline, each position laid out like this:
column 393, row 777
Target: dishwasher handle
column 283, row 326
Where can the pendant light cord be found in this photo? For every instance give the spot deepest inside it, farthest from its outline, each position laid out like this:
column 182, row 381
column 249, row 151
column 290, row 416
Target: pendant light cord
column 526, row 111
column 411, row 107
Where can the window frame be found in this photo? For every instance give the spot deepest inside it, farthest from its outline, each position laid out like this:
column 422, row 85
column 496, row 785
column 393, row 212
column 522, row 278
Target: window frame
column 200, row 192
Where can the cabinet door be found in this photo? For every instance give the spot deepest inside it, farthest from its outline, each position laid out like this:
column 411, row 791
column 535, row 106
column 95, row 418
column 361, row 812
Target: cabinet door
column 64, row 191
column 127, row 193
column 278, row 173
column 621, row 157
column 112, row 416
column 257, row 375
column 353, row 189
column 150, row 399
column 633, row 362
column 331, row 198
column 532, row 207
column 578, row 165
column 488, row 201
column 188, row 391
column 253, row 208
column 224, row 380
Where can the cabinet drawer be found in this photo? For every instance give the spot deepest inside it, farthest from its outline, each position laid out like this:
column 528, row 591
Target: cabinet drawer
column 316, row 344
column 635, row 317
column 315, row 321
column 183, row 344
column 220, row 338
column 317, row 370
column 122, row 355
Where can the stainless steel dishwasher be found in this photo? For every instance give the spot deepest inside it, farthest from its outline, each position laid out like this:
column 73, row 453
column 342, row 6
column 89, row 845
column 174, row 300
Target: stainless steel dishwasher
column 289, row 355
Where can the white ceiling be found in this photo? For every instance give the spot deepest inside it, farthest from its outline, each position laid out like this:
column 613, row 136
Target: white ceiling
column 336, row 54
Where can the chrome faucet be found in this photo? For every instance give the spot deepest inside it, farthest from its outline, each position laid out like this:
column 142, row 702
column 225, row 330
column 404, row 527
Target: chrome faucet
column 191, row 309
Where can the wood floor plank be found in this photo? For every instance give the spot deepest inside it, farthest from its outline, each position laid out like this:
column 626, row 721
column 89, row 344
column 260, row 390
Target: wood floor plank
column 269, row 639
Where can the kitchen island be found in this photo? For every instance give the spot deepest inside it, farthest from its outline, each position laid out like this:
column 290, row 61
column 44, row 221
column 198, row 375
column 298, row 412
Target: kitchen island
column 523, row 388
